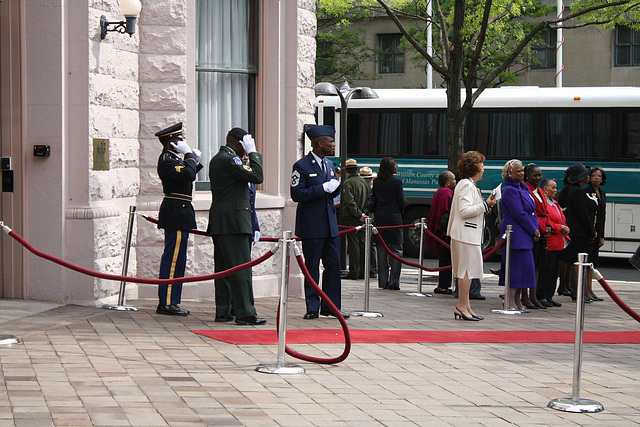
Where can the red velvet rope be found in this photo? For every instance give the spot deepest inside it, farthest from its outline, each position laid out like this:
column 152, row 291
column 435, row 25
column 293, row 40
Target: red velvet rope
column 335, row 311
column 107, row 276
column 615, row 297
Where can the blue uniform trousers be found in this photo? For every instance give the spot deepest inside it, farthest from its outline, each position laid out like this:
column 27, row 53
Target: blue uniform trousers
column 172, row 265
column 329, row 251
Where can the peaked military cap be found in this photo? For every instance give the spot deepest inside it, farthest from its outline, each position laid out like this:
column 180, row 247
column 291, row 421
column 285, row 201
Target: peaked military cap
column 321, row 130
column 173, row 130
column 238, row 133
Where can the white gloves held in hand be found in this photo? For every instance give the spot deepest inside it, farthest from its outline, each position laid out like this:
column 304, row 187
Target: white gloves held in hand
column 256, row 237
column 248, row 144
column 331, row 186
column 181, row 147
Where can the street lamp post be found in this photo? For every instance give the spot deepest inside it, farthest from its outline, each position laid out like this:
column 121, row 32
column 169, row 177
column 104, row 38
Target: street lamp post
column 326, row 88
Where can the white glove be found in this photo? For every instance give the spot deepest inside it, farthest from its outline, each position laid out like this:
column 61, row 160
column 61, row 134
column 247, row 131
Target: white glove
column 198, row 154
column 331, row 186
column 256, row 237
column 248, row 144
column 181, row 147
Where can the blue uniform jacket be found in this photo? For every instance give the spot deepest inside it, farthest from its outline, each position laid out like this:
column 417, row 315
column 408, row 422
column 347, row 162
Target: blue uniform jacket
column 316, row 213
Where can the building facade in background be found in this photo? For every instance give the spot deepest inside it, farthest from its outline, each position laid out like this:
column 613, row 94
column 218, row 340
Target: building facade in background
column 212, row 64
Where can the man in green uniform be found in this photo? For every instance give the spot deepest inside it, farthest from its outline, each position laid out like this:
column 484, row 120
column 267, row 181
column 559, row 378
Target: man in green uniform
column 230, row 225
column 355, row 191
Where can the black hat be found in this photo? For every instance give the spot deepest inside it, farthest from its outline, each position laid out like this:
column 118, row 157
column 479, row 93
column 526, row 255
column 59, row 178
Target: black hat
column 238, row 133
column 173, row 130
column 577, row 172
column 321, row 130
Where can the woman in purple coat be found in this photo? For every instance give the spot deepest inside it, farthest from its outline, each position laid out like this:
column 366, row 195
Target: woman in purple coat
column 519, row 211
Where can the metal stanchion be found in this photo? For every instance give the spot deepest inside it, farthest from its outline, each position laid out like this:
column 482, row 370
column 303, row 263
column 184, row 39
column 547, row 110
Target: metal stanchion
column 575, row 403
column 280, row 367
column 419, row 293
column 506, row 309
column 367, row 264
column 125, row 266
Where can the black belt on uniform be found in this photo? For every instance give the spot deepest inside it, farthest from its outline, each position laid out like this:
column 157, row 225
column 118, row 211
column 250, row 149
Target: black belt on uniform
column 178, row 196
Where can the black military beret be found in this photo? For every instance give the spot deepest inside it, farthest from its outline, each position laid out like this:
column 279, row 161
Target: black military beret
column 238, row 133
column 173, row 130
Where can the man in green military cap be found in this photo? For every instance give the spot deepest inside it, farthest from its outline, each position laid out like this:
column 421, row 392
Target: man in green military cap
column 230, row 225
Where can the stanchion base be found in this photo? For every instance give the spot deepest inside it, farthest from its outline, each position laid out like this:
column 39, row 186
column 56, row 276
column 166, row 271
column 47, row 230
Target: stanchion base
column 505, row 311
column 568, row 404
column 418, row 294
column 366, row 314
column 287, row 368
column 9, row 339
column 119, row 307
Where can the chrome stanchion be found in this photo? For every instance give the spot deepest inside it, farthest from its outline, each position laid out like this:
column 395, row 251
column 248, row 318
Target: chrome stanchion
column 280, row 367
column 575, row 403
column 419, row 293
column 125, row 266
column 506, row 309
column 367, row 265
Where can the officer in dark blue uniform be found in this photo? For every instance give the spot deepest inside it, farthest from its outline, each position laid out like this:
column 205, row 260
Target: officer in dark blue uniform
column 176, row 215
column 313, row 186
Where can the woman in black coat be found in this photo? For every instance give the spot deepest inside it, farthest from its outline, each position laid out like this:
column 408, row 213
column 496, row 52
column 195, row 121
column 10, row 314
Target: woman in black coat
column 594, row 191
column 389, row 206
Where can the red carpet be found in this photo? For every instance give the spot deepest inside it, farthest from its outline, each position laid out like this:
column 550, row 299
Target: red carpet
column 315, row 336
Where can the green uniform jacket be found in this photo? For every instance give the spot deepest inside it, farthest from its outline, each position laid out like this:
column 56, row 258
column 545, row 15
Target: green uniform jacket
column 355, row 191
column 230, row 211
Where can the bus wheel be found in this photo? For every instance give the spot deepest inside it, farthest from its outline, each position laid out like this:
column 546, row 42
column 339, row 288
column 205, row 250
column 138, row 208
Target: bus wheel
column 412, row 235
column 491, row 235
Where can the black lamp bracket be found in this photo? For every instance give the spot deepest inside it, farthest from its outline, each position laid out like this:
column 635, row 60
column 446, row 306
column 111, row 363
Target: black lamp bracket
column 128, row 26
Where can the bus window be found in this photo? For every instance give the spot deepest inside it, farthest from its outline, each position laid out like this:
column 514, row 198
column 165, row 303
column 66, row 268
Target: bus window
column 578, row 135
column 501, row 134
column 629, row 134
column 428, row 134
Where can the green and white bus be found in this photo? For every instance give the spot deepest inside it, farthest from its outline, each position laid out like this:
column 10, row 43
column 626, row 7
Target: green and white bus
column 553, row 127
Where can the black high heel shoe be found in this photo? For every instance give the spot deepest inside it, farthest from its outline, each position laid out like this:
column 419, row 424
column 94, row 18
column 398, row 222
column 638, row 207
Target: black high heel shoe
column 461, row 315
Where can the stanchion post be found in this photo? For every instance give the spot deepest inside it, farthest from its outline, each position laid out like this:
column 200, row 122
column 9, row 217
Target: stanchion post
column 419, row 293
column 367, row 259
column 280, row 367
column 125, row 266
column 506, row 309
column 575, row 403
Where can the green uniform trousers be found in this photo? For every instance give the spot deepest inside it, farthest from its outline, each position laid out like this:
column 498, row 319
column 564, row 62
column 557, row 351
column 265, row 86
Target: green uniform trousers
column 235, row 291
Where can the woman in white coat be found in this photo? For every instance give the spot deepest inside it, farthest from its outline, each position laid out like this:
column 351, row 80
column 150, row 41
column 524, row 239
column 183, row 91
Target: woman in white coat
column 466, row 225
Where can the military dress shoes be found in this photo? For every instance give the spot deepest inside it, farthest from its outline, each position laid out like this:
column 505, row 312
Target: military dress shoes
column 310, row 315
column 172, row 310
column 227, row 318
column 439, row 290
column 250, row 320
column 330, row 313
column 478, row 296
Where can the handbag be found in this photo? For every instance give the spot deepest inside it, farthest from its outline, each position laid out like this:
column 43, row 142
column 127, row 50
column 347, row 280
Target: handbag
column 443, row 222
column 369, row 204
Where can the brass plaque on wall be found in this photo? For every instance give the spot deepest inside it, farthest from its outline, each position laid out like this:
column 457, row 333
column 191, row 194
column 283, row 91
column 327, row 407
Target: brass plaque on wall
column 100, row 154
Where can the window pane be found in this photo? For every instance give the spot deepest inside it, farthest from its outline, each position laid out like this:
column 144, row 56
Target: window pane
column 623, row 55
column 577, row 135
column 636, row 54
column 623, row 35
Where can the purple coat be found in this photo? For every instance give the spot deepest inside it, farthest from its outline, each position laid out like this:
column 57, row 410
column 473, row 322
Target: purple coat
column 518, row 210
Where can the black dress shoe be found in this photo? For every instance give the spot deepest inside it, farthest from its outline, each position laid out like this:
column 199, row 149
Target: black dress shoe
column 311, row 315
column 250, row 320
column 227, row 318
column 495, row 271
column 329, row 313
column 546, row 303
column 438, row 290
column 555, row 304
column 480, row 297
column 172, row 310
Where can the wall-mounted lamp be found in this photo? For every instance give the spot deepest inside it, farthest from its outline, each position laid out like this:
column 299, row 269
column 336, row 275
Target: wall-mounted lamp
column 130, row 9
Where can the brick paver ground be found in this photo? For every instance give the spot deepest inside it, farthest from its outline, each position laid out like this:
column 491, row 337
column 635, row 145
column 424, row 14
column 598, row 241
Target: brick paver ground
column 80, row 366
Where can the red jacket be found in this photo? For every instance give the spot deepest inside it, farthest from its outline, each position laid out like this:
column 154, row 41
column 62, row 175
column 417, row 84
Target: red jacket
column 542, row 207
column 556, row 218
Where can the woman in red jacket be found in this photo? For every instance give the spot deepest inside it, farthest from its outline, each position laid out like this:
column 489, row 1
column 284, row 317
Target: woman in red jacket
column 556, row 242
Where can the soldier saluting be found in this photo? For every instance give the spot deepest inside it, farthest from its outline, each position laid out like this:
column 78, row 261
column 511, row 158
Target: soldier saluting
column 176, row 215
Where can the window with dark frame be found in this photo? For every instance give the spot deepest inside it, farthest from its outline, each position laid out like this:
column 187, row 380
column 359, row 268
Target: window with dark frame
column 627, row 47
column 544, row 51
column 391, row 58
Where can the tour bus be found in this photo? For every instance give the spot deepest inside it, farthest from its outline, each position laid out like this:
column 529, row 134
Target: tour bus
column 552, row 127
